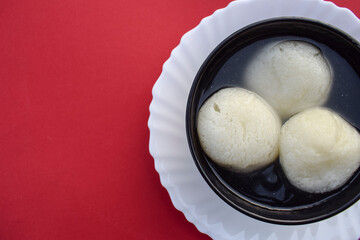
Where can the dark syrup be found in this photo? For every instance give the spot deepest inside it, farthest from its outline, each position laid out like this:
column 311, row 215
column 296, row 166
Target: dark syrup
column 269, row 185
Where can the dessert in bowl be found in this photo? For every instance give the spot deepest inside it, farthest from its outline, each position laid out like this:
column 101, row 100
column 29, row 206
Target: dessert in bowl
column 254, row 59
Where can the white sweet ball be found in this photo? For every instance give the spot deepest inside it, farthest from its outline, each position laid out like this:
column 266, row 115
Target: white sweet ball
column 237, row 129
column 319, row 150
column 291, row 76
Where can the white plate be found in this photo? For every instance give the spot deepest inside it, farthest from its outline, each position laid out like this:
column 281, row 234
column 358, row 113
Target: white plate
column 168, row 145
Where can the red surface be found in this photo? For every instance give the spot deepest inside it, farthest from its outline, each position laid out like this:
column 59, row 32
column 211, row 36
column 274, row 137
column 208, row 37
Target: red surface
column 76, row 79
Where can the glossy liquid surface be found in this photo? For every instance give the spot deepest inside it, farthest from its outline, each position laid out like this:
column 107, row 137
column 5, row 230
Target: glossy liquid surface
column 269, row 185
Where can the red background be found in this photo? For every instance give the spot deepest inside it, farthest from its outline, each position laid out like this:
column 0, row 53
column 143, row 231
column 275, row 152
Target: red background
column 75, row 87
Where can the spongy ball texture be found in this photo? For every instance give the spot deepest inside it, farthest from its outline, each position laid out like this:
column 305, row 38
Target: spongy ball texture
column 238, row 130
column 291, row 76
column 319, row 150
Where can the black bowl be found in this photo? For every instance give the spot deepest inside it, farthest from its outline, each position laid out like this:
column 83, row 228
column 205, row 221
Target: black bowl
column 266, row 194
